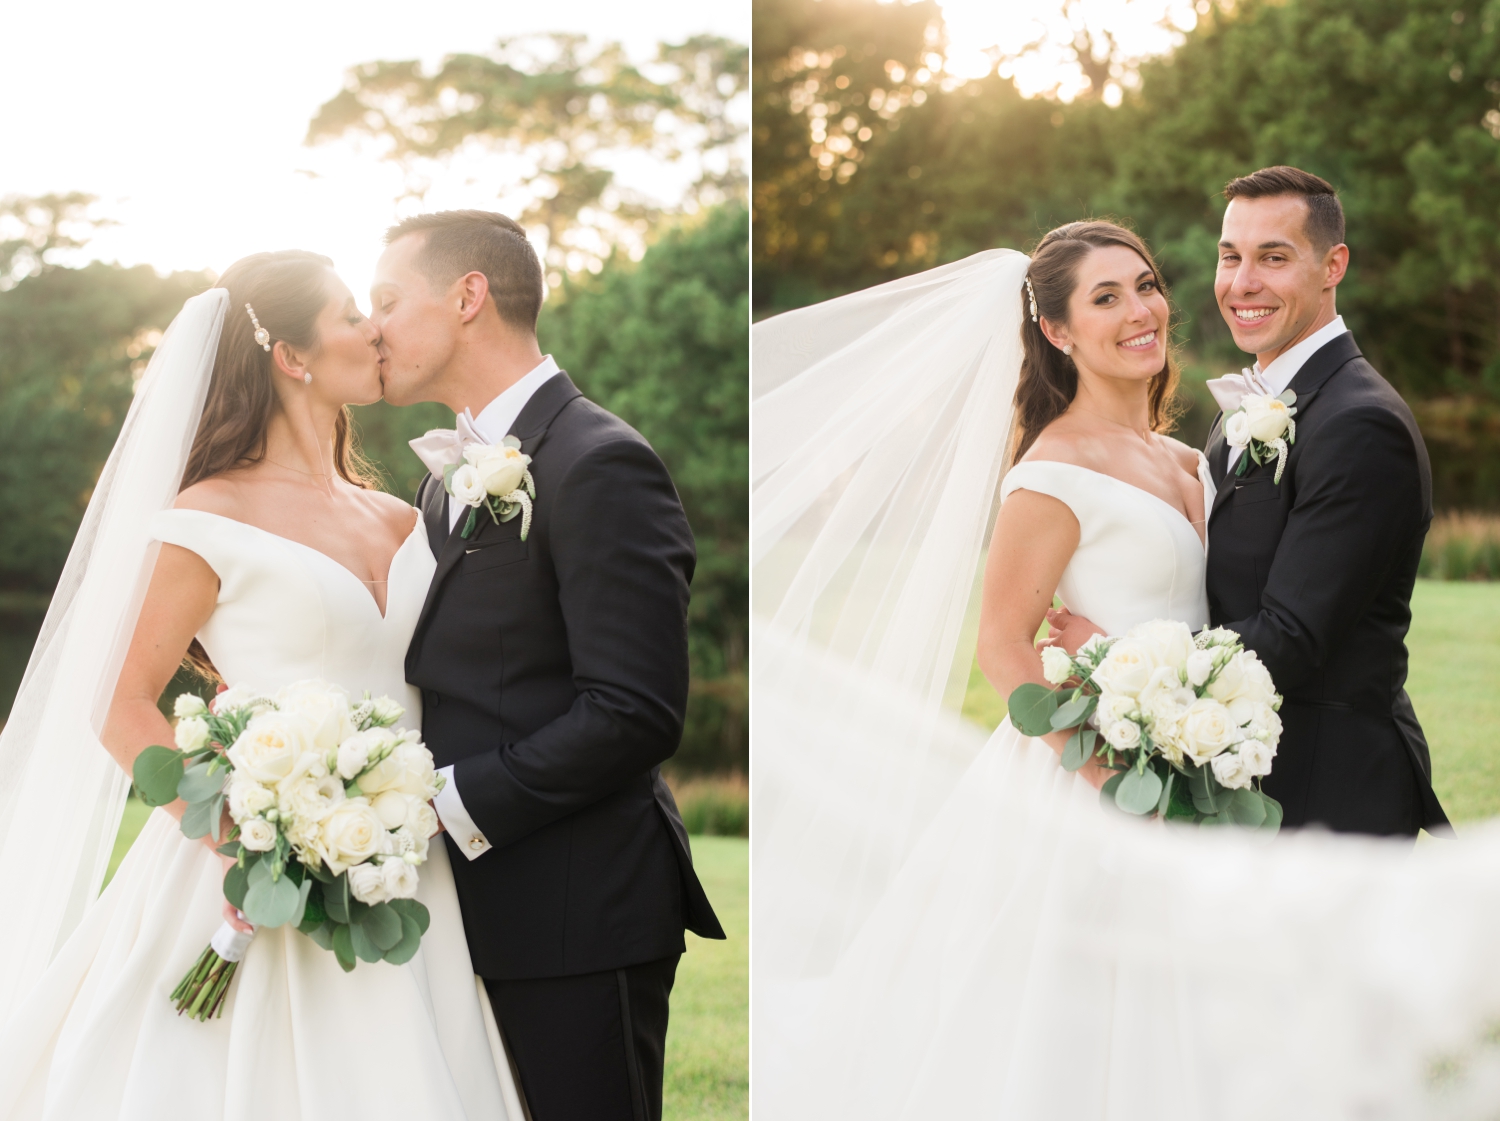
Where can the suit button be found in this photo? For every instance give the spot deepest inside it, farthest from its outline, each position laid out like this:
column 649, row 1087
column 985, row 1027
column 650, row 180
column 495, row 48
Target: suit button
column 432, row 698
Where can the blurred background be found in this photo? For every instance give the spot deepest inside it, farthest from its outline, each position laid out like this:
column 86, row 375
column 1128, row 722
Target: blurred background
column 148, row 146
column 891, row 137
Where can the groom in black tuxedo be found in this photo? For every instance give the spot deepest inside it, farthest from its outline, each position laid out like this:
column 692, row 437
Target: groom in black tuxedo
column 1316, row 571
column 552, row 659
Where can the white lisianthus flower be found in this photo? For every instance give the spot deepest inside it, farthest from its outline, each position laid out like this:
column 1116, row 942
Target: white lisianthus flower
column 1216, row 636
column 191, row 733
column 1126, row 668
column 1256, row 756
column 1265, row 724
column 354, row 752
column 393, row 807
column 1208, row 730
column 1237, row 429
column 1113, row 707
column 1200, row 667
column 257, row 834
column 401, row 878
column 1266, row 418
column 1168, row 641
column 501, row 468
column 466, row 486
column 1229, row 768
column 188, row 704
column 422, row 820
column 350, row 834
column 1167, row 736
column 268, row 748
column 367, row 884
column 385, row 711
column 408, row 769
column 248, row 797
column 309, row 799
column 1057, row 667
column 408, row 845
column 1259, row 687
column 1123, row 735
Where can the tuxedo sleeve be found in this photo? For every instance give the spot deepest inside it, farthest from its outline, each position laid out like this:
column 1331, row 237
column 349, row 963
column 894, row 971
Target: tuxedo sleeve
column 1357, row 509
column 623, row 556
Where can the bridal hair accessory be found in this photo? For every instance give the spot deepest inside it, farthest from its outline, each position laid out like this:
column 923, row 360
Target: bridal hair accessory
column 262, row 336
column 1030, row 294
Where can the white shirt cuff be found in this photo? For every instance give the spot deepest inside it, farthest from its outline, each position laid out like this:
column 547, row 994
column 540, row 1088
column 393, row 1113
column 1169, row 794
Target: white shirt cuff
column 456, row 820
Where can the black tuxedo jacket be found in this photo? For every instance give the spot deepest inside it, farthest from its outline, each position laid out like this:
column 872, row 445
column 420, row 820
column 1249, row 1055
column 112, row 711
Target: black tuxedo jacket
column 1316, row 575
column 554, row 676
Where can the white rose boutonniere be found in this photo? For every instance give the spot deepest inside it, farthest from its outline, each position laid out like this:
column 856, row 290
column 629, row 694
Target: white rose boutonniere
column 495, row 478
column 1262, row 427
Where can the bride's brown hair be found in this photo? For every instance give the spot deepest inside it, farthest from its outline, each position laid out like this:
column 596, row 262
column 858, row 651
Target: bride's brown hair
column 1049, row 379
column 288, row 291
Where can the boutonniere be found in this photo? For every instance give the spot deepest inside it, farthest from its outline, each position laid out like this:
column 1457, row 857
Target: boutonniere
column 1262, row 427
column 493, row 477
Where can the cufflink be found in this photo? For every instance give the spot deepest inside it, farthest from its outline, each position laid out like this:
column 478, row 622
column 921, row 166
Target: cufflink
column 476, row 844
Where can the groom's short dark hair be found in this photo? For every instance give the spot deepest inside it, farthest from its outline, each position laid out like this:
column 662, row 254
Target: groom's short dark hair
column 1325, row 214
column 463, row 241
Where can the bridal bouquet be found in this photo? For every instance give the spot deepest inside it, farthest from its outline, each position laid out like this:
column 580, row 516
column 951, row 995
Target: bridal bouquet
column 331, row 819
column 1189, row 724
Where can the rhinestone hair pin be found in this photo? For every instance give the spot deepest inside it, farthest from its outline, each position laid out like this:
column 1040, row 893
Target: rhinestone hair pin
column 1030, row 294
column 263, row 337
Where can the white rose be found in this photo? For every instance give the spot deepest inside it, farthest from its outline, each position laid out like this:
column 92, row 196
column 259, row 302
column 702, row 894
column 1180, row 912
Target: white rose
column 350, row 834
column 1230, row 770
column 1126, row 668
column 1258, row 687
column 501, row 469
column 325, row 707
column 1237, row 429
column 1200, row 667
column 385, row 711
column 191, row 733
column 466, row 485
column 1123, row 735
column 393, row 807
column 367, row 884
column 269, row 746
column 1265, row 724
column 354, row 753
column 1256, row 756
column 1113, row 707
column 1207, row 730
column 257, row 834
column 1057, row 667
column 1266, row 418
column 309, row 799
column 248, row 797
column 422, row 820
column 401, row 878
column 1169, row 642
column 408, row 768
column 1165, row 681
column 188, row 704
column 1229, row 683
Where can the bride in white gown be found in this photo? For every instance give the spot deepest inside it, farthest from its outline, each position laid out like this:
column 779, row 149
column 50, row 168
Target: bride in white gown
column 285, row 569
column 949, row 927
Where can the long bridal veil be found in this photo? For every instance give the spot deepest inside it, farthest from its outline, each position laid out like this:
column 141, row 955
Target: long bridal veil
column 1107, row 968
column 61, row 794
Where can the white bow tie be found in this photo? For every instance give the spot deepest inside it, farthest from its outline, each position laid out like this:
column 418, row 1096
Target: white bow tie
column 439, row 447
column 1231, row 389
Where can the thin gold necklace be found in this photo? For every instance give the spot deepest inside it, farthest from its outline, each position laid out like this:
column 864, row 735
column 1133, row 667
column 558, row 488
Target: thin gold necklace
column 1145, row 436
column 298, row 470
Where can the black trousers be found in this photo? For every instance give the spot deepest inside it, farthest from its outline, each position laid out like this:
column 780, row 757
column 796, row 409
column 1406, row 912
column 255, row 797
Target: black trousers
column 589, row 1048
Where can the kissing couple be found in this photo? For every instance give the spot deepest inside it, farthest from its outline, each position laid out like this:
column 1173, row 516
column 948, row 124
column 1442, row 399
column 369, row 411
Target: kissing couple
column 543, row 656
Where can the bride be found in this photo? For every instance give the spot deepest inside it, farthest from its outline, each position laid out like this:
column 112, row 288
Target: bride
column 949, row 927
column 235, row 525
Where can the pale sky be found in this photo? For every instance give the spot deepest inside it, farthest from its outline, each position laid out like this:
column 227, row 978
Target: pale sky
column 187, row 118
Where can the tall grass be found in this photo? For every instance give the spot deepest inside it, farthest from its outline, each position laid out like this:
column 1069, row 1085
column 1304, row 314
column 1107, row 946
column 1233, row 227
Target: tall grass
column 1462, row 547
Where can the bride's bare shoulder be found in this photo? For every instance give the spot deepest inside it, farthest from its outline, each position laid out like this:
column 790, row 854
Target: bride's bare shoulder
column 1064, row 442
column 398, row 513
column 218, row 495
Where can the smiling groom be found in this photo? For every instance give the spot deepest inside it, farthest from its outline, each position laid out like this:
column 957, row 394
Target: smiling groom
column 552, row 658
column 1314, row 544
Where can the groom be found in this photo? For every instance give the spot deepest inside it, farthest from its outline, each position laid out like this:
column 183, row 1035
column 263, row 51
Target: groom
column 552, row 659
column 1316, row 571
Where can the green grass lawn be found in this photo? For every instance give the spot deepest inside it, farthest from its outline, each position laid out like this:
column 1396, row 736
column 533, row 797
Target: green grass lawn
column 1454, row 684
column 708, row 1043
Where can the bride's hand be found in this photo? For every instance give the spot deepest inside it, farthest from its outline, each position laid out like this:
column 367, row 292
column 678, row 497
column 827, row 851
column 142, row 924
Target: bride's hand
column 1095, row 773
column 1067, row 630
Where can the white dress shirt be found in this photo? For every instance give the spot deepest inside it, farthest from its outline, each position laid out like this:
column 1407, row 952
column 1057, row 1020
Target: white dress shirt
column 1284, row 367
column 494, row 424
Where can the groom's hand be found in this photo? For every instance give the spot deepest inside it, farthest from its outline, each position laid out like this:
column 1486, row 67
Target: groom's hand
column 1068, row 631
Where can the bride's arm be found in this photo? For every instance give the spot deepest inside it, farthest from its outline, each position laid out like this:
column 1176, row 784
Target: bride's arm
column 1035, row 537
column 178, row 602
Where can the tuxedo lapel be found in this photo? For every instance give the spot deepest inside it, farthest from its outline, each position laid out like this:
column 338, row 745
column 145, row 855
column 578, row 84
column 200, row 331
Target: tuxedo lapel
column 433, row 500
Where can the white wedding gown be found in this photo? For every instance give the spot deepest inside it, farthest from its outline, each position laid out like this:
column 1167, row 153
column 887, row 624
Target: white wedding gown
column 1034, row 957
column 299, row 1039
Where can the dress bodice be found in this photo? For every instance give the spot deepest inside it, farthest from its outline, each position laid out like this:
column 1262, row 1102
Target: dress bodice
column 1138, row 558
column 287, row 612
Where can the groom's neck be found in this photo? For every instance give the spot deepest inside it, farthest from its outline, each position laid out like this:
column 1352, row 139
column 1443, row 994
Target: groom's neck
column 485, row 368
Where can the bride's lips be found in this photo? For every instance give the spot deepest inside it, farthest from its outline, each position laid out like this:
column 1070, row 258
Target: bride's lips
column 1146, row 340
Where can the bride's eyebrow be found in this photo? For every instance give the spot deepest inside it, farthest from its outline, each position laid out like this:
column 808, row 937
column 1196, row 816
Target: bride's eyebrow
column 1116, row 284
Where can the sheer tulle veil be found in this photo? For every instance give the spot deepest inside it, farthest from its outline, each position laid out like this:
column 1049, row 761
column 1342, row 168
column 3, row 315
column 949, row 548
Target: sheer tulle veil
column 61, row 794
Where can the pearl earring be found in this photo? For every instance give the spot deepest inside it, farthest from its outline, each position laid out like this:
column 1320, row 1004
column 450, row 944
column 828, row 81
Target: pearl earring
column 307, row 378
column 1068, row 350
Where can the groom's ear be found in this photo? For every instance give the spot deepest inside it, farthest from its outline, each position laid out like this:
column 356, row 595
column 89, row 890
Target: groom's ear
column 472, row 290
column 1335, row 265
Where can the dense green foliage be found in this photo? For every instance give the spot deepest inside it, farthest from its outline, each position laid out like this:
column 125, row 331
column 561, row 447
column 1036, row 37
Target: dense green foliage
column 1397, row 102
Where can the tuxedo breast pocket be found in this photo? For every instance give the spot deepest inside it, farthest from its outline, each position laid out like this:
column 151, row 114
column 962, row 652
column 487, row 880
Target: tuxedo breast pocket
column 1254, row 490
column 485, row 555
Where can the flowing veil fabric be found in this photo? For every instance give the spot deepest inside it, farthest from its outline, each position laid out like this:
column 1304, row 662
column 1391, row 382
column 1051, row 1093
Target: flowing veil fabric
column 1092, row 966
column 61, row 794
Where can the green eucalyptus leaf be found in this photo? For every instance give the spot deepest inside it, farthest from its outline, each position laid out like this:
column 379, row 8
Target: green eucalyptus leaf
column 411, row 939
column 1074, row 713
column 1074, row 755
column 1272, row 824
column 1247, row 808
column 322, row 934
column 343, row 947
column 271, row 901
column 364, row 946
column 198, row 782
column 383, row 925
column 236, row 882
column 1139, row 791
column 336, row 899
column 1031, row 708
column 1107, row 791
column 198, row 819
column 156, row 773
column 1164, row 803
column 417, row 911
